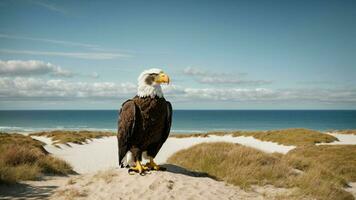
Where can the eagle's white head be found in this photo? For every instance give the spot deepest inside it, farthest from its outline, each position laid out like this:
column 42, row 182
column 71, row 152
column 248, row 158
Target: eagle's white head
column 149, row 83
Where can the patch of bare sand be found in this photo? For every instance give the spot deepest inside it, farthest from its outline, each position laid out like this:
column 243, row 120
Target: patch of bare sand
column 343, row 138
column 352, row 188
column 32, row 190
column 175, row 183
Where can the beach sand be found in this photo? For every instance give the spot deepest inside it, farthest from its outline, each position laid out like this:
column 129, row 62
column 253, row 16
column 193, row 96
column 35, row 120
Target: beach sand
column 101, row 154
column 176, row 183
column 343, row 138
column 100, row 178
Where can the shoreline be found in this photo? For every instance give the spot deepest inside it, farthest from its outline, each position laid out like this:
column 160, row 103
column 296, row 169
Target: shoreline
column 27, row 131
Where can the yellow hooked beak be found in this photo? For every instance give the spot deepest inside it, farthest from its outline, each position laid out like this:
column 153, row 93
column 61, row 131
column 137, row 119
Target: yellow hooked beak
column 162, row 78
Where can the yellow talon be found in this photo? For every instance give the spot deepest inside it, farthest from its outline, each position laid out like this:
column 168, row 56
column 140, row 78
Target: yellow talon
column 139, row 168
column 153, row 165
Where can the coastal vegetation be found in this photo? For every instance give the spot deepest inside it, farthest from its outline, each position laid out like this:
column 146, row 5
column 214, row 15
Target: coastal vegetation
column 234, row 163
column 319, row 172
column 23, row 158
column 348, row 131
column 77, row 137
column 293, row 136
column 327, row 169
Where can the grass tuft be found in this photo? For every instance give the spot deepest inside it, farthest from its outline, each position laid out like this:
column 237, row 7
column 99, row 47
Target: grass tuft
column 77, row 137
column 294, row 136
column 339, row 159
column 236, row 164
column 349, row 131
column 323, row 171
column 23, row 158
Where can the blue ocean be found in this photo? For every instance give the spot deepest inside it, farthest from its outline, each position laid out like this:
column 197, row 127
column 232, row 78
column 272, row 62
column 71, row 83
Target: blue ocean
column 184, row 121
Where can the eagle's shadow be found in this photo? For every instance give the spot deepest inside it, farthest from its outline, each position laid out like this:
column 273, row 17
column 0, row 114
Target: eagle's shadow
column 180, row 170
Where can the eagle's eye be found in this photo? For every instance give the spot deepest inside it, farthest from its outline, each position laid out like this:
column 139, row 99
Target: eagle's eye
column 150, row 78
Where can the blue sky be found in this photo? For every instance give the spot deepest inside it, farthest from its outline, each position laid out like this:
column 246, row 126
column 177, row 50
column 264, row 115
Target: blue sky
column 219, row 54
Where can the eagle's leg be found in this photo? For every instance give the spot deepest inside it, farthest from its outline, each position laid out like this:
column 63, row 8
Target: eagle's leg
column 153, row 166
column 138, row 168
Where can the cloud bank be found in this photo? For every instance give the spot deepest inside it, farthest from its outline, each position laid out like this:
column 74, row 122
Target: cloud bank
column 31, row 67
column 23, row 88
column 220, row 78
column 27, row 88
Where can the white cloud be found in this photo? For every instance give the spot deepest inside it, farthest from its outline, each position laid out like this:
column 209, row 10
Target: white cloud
column 194, row 71
column 31, row 67
column 235, row 94
column 214, row 78
column 26, row 89
column 81, row 55
column 94, row 75
column 232, row 80
column 347, row 95
column 22, row 88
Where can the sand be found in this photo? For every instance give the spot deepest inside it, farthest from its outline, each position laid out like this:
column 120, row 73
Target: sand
column 343, row 139
column 31, row 190
column 100, row 178
column 97, row 154
column 176, row 183
column 100, row 154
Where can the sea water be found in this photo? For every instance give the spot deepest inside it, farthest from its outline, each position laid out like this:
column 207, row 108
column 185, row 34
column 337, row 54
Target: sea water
column 184, row 121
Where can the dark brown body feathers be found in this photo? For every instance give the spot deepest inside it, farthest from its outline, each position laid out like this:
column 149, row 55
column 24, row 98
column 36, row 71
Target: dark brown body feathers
column 144, row 125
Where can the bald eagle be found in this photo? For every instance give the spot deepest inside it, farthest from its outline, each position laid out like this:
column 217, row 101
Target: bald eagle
column 144, row 123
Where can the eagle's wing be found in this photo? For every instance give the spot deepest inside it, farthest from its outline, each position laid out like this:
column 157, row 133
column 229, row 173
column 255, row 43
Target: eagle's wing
column 169, row 120
column 126, row 128
column 167, row 128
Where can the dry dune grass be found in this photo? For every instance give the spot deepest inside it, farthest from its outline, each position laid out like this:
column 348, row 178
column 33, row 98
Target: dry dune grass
column 327, row 169
column 340, row 159
column 294, row 136
column 78, row 137
column 320, row 172
column 23, row 158
column 187, row 135
column 236, row 164
column 349, row 131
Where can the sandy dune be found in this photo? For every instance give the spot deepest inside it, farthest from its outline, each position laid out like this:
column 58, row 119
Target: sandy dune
column 176, row 183
column 101, row 179
column 32, row 190
column 96, row 155
column 102, row 153
column 343, row 138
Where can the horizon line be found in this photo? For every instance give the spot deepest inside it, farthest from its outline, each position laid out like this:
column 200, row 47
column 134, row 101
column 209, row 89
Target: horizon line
column 184, row 109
